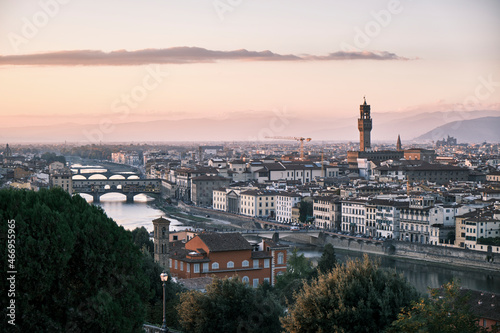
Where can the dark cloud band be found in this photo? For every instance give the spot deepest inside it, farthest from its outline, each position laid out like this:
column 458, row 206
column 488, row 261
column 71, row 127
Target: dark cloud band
column 175, row 55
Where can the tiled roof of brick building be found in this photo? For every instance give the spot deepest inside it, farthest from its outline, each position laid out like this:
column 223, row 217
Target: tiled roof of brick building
column 219, row 242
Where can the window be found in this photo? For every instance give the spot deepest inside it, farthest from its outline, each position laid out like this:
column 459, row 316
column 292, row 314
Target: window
column 182, row 265
column 230, row 264
column 256, row 263
column 255, row 283
column 196, row 268
column 170, row 263
column 245, row 279
column 266, row 263
column 245, row 263
column 280, row 258
column 267, row 280
column 188, row 267
column 215, row 265
column 205, row 267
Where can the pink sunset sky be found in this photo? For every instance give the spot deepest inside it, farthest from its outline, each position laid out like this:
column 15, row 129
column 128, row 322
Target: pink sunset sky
column 84, row 60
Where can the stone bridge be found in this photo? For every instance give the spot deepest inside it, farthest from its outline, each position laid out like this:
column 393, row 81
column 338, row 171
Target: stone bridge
column 129, row 187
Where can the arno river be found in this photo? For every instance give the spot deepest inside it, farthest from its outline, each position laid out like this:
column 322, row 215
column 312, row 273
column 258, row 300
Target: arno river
column 418, row 273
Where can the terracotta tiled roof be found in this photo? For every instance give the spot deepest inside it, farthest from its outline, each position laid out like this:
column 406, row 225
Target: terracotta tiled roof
column 219, row 242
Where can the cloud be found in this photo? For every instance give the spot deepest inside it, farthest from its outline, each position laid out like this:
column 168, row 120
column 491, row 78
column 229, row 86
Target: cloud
column 363, row 55
column 174, row 55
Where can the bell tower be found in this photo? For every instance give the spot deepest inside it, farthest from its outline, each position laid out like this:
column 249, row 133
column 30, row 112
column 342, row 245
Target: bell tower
column 364, row 126
column 160, row 240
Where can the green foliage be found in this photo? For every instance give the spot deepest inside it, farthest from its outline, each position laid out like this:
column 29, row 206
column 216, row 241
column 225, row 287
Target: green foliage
column 77, row 271
column 328, row 260
column 446, row 311
column 299, row 269
column 305, row 210
column 355, row 297
column 52, row 157
column 495, row 241
column 229, row 306
column 450, row 238
column 96, row 152
column 140, row 237
column 154, row 307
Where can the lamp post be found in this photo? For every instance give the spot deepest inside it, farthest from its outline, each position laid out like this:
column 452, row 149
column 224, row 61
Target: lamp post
column 164, row 278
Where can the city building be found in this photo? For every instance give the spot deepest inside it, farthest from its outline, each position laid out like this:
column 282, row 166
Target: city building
column 327, row 212
column 383, row 217
column 202, row 188
column 258, row 203
column 475, row 226
column 228, row 255
column 354, row 216
column 62, row 178
column 415, row 220
column 285, row 201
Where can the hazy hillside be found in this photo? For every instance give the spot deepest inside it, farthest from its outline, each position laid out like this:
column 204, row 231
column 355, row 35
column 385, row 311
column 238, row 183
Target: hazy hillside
column 475, row 130
column 252, row 127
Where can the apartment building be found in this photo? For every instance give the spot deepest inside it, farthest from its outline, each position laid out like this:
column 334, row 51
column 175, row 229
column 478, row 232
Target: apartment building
column 415, row 220
column 354, row 216
column 285, row 201
column 258, row 203
column 327, row 212
column 202, row 188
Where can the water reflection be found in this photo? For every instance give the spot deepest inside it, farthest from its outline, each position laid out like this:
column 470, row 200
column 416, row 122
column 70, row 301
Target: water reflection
column 423, row 275
column 133, row 215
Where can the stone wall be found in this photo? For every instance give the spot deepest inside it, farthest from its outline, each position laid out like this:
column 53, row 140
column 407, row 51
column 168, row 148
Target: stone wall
column 446, row 255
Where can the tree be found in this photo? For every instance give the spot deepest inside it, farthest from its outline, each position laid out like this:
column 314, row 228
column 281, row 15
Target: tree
column 154, row 307
column 354, row 297
column 305, row 210
column 229, row 305
column 52, row 157
column 77, row 270
column 140, row 237
column 328, row 260
column 446, row 311
column 299, row 269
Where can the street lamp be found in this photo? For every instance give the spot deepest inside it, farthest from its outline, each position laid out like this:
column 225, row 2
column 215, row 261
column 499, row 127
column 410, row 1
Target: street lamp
column 164, row 278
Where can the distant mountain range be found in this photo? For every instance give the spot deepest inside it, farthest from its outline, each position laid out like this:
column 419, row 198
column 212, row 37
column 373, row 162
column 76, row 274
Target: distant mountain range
column 470, row 126
column 474, row 130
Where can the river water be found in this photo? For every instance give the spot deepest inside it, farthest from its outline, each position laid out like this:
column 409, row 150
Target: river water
column 133, row 215
column 423, row 275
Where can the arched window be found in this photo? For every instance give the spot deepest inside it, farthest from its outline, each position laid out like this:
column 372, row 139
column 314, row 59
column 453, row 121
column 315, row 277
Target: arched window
column 215, row 265
column 245, row 280
column 281, row 258
column 230, row 264
column 163, row 232
column 245, row 263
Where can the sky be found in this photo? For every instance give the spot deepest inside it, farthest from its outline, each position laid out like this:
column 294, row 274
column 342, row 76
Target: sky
column 139, row 60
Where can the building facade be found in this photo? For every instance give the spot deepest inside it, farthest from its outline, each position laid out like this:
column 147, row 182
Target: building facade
column 202, row 188
column 327, row 212
column 228, row 255
column 285, row 201
column 258, row 203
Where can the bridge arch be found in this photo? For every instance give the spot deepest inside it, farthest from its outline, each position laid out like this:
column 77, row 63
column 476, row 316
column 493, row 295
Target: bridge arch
column 133, row 177
column 79, row 177
column 117, row 177
column 97, row 176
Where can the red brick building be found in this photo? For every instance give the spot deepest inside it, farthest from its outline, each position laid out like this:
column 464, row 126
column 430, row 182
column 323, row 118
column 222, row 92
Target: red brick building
column 225, row 255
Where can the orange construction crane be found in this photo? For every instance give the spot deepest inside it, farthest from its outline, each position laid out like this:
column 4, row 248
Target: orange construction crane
column 293, row 138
